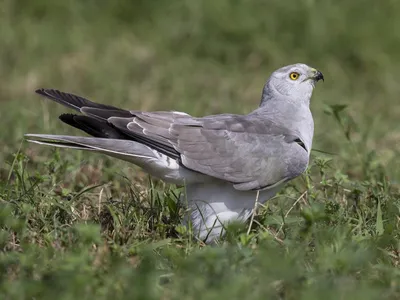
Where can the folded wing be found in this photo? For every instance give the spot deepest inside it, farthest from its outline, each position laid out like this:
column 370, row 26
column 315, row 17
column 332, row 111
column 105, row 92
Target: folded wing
column 249, row 151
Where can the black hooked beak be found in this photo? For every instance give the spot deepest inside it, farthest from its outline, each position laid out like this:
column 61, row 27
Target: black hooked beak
column 319, row 76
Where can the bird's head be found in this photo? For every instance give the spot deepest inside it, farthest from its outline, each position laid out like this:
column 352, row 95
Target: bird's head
column 293, row 82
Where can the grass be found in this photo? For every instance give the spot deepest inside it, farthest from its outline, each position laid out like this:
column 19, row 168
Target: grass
column 75, row 224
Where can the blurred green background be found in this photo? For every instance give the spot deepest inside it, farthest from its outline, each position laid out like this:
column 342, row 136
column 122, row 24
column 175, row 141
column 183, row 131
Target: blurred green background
column 209, row 57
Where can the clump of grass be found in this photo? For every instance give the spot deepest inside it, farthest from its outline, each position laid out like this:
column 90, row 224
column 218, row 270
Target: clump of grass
column 323, row 236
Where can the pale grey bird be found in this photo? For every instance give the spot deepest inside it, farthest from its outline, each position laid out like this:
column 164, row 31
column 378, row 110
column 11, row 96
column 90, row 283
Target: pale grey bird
column 222, row 160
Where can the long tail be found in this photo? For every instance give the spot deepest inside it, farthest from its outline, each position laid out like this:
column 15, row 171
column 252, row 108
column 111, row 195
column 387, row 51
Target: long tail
column 153, row 162
column 129, row 150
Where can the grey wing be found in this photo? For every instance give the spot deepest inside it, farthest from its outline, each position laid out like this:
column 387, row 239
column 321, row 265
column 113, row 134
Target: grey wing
column 251, row 154
column 249, row 160
column 249, row 151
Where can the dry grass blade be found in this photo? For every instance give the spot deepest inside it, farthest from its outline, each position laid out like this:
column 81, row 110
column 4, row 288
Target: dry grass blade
column 254, row 212
column 288, row 212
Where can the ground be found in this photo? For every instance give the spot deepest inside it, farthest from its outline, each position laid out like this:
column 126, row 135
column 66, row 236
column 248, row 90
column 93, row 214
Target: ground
column 75, row 224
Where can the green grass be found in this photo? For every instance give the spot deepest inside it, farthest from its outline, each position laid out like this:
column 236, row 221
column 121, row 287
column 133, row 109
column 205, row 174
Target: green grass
column 76, row 224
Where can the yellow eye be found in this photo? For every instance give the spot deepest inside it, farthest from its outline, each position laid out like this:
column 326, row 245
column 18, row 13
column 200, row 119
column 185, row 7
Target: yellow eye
column 294, row 75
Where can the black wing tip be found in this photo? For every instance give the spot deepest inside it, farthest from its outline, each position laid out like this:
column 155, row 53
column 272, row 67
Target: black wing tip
column 67, row 115
column 46, row 92
column 69, row 119
column 40, row 91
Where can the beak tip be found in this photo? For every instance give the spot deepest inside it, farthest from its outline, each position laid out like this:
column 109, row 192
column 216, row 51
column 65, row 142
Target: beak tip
column 319, row 76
